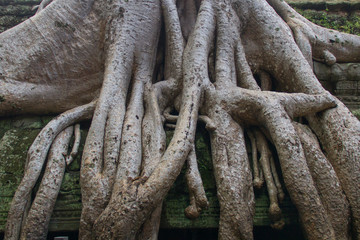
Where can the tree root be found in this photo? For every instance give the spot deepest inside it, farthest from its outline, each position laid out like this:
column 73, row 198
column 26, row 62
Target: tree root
column 198, row 200
column 318, row 43
column 258, row 183
column 326, row 182
column 233, row 179
column 172, row 160
column 281, row 194
column 298, row 180
column 266, row 155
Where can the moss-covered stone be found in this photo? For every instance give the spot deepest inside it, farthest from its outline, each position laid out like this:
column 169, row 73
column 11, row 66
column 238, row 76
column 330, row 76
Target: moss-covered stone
column 19, row 2
column 10, row 21
column 16, row 10
column 329, row 5
column 13, row 148
column 356, row 113
column 348, row 22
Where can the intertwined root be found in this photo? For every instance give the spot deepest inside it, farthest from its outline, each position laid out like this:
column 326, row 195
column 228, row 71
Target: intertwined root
column 209, row 67
column 274, row 189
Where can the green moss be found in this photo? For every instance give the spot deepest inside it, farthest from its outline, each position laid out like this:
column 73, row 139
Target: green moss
column 13, row 148
column 19, row 2
column 10, row 20
column 356, row 113
column 344, row 23
column 16, row 10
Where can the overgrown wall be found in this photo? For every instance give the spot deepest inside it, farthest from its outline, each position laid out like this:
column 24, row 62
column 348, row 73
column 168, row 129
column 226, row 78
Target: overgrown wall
column 17, row 134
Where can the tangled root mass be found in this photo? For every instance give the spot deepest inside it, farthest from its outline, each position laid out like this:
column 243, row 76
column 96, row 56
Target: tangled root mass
column 242, row 67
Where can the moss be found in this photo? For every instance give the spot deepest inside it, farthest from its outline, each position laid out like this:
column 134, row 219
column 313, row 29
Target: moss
column 19, row 2
column 356, row 113
column 17, row 10
column 27, row 123
column 13, row 148
column 10, row 21
column 5, row 125
column 344, row 23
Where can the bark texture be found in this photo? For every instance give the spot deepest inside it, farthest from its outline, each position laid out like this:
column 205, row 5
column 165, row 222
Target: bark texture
column 137, row 67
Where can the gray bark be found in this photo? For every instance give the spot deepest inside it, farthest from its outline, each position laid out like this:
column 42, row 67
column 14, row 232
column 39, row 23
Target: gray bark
column 112, row 62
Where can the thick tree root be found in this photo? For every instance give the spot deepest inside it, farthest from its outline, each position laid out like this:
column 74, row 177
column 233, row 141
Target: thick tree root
column 318, row 43
column 326, row 182
column 150, row 229
column 172, row 160
column 198, row 200
column 341, row 145
column 233, row 179
column 298, row 180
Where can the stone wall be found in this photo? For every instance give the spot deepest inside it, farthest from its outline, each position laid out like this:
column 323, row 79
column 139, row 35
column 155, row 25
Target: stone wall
column 342, row 80
column 13, row 12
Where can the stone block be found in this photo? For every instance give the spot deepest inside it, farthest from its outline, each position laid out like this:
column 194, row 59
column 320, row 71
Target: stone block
column 17, row 10
column 346, row 88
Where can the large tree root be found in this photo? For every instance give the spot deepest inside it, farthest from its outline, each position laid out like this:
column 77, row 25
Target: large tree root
column 198, row 200
column 233, row 180
column 203, row 69
column 326, row 182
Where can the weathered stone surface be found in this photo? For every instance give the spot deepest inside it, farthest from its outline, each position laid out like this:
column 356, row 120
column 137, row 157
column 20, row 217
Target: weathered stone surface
column 17, row 134
column 343, row 80
column 330, row 5
column 19, row 2
column 16, row 10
